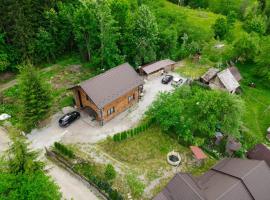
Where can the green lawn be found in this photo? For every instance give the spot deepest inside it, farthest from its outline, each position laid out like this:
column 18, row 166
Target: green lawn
column 257, row 114
column 192, row 70
column 146, row 153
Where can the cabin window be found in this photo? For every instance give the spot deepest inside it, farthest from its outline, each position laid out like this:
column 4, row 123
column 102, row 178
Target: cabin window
column 111, row 111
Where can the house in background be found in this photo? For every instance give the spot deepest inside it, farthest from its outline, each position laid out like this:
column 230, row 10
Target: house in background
column 157, row 68
column 227, row 79
column 230, row 179
column 108, row 94
column 260, row 152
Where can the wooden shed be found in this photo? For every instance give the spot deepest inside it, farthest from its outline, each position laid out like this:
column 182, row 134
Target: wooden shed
column 157, row 68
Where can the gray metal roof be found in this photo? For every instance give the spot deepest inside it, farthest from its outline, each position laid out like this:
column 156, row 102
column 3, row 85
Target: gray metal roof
column 210, row 74
column 156, row 66
column 230, row 179
column 235, row 72
column 112, row 84
column 228, row 80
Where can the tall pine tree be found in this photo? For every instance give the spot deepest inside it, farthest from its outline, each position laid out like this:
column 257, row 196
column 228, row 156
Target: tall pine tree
column 34, row 96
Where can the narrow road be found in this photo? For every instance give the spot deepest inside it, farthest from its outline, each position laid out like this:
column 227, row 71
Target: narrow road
column 71, row 187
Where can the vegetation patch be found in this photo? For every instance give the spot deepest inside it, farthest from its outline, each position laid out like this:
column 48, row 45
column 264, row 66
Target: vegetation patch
column 145, row 155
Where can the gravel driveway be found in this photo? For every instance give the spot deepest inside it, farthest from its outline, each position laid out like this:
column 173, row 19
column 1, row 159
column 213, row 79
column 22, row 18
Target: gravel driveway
column 83, row 131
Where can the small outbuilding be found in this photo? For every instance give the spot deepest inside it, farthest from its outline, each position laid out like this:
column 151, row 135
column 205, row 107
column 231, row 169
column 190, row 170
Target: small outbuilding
column 198, row 154
column 209, row 75
column 157, row 68
column 225, row 81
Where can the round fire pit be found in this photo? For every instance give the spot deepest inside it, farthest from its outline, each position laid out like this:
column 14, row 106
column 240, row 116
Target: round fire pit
column 173, row 158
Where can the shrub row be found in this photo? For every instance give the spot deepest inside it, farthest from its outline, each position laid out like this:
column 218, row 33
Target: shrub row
column 64, row 150
column 100, row 183
column 132, row 132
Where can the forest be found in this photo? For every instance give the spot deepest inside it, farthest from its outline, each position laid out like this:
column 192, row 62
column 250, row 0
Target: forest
column 38, row 39
column 106, row 33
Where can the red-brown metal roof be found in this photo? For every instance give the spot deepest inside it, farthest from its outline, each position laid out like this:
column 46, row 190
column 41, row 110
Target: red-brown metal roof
column 198, row 153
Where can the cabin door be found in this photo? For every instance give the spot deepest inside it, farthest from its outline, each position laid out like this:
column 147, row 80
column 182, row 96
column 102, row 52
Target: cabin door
column 80, row 99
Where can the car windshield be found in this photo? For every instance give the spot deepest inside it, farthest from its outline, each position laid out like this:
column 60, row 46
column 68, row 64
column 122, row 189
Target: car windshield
column 65, row 118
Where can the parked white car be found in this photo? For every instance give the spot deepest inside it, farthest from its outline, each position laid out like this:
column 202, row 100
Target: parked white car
column 178, row 81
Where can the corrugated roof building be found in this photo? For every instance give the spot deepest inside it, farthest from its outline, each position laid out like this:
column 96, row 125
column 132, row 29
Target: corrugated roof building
column 230, row 179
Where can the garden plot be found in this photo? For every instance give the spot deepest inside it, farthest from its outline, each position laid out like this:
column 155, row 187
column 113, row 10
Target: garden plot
column 143, row 156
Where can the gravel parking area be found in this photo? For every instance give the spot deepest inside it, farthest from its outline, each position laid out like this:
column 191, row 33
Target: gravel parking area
column 85, row 131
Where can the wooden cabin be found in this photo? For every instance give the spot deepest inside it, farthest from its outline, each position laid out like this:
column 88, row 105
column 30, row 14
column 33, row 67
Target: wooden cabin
column 108, row 94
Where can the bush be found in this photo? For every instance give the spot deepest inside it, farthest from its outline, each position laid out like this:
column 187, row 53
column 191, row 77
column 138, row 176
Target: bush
column 87, row 169
column 135, row 185
column 110, row 172
column 64, row 150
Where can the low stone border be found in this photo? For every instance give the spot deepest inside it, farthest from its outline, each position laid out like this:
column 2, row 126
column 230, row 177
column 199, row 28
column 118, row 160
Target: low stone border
column 68, row 166
column 173, row 153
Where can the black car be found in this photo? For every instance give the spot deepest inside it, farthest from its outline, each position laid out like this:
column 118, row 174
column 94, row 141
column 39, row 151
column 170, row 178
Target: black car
column 68, row 118
column 166, row 79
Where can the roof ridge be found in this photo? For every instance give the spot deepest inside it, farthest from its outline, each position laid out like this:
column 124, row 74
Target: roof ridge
column 238, row 178
column 111, row 69
column 198, row 195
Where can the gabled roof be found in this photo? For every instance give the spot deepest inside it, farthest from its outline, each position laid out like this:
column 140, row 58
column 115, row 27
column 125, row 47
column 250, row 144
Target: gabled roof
column 228, row 180
column 228, row 80
column 235, row 72
column 156, row 66
column 259, row 152
column 112, row 84
column 210, row 74
column 198, row 153
column 182, row 187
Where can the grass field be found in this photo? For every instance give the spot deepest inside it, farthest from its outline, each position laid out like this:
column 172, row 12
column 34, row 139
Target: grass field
column 257, row 115
column 192, row 70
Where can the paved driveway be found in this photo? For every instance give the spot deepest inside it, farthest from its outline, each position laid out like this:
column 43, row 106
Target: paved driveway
column 82, row 131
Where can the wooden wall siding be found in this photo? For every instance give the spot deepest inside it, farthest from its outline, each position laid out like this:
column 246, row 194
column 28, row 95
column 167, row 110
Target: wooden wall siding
column 86, row 102
column 159, row 72
column 120, row 104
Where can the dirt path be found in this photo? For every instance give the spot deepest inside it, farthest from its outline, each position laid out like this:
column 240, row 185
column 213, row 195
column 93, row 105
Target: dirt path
column 8, row 85
column 4, row 140
column 70, row 187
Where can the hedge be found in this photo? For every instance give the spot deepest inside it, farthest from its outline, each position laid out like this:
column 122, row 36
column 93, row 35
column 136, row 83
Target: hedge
column 132, row 132
column 64, row 150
